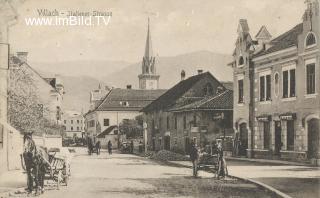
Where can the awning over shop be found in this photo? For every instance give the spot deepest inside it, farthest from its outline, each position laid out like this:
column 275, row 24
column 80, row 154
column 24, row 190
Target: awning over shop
column 264, row 118
column 288, row 116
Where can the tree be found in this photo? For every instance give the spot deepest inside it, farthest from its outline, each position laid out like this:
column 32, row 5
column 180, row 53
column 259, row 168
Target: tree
column 132, row 128
column 25, row 111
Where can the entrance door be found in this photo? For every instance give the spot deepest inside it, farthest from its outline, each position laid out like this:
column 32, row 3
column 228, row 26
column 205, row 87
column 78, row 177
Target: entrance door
column 167, row 142
column 187, row 145
column 277, row 137
column 313, row 138
column 243, row 139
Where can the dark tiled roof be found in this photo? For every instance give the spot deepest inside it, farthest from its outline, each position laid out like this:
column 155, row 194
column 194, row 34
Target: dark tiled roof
column 107, row 131
column 176, row 92
column 228, row 85
column 223, row 101
column 285, row 40
column 136, row 99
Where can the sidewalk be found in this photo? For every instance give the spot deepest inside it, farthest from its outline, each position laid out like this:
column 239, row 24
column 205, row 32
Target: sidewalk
column 11, row 181
column 269, row 161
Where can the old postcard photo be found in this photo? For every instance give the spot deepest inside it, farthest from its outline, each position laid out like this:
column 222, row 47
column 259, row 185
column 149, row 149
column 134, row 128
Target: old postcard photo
column 157, row 99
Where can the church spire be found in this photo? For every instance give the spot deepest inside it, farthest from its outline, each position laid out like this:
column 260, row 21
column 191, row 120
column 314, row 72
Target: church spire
column 148, row 51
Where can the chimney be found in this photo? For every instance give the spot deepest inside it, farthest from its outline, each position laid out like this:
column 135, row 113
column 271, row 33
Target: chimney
column 200, row 71
column 129, row 86
column 183, row 75
column 22, row 56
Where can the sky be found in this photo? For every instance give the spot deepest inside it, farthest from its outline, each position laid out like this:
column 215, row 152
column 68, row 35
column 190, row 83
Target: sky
column 177, row 27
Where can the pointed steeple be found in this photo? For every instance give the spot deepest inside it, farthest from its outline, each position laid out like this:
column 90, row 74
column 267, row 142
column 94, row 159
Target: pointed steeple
column 148, row 50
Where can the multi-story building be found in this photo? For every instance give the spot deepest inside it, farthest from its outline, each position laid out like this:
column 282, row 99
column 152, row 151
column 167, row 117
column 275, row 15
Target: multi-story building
column 276, row 97
column 49, row 91
column 197, row 109
column 73, row 123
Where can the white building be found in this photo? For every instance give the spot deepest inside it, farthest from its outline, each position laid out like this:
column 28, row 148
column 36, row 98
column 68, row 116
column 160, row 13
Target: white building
column 73, row 123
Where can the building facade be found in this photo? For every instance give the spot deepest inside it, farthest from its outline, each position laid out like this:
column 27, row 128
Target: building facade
column 118, row 105
column 276, row 98
column 73, row 123
column 97, row 95
column 186, row 113
column 148, row 79
column 49, row 91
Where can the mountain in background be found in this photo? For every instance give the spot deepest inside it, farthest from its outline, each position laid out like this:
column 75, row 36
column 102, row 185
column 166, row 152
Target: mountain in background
column 81, row 77
column 169, row 69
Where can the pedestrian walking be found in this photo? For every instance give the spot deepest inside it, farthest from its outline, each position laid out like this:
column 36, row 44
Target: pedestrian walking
column 131, row 147
column 222, row 169
column 109, row 147
column 194, row 157
column 98, row 147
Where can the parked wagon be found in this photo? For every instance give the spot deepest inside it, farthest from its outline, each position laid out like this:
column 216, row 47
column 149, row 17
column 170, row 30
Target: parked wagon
column 211, row 163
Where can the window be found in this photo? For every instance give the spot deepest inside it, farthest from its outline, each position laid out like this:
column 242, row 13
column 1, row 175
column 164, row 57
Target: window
column 208, row 90
column 91, row 123
column 311, row 80
column 175, row 122
column 71, row 121
column 266, row 135
column 184, row 122
column 106, row 122
column 194, row 120
column 310, row 40
column 240, row 91
column 289, row 83
column 265, row 88
column 78, row 121
column 241, row 61
column 290, row 135
column 168, row 122
column 77, row 128
column 65, row 121
column 71, row 128
column 276, row 84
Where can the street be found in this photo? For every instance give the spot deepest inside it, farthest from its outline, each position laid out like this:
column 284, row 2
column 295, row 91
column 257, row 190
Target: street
column 296, row 181
column 123, row 175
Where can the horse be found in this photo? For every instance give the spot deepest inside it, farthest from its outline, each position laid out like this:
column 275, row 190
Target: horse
column 35, row 164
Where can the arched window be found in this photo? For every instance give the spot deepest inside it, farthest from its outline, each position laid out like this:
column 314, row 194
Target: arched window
column 310, row 40
column 241, row 60
column 276, row 84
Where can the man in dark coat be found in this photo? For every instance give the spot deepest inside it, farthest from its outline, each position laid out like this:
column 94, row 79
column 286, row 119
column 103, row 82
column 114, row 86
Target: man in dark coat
column 98, row 147
column 110, row 147
column 194, row 157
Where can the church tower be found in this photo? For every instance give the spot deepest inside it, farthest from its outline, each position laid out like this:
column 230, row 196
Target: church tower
column 149, row 78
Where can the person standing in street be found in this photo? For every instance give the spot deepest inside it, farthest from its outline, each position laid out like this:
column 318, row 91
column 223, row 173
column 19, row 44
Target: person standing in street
column 109, row 147
column 194, row 157
column 131, row 147
column 98, row 147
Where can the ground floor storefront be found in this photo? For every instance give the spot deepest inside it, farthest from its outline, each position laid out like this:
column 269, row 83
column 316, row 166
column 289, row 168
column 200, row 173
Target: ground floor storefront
column 290, row 136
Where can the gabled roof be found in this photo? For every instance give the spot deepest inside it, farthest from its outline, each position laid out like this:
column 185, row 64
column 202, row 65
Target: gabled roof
column 107, row 131
column 263, row 33
column 176, row 92
column 128, row 99
column 285, row 40
column 223, row 101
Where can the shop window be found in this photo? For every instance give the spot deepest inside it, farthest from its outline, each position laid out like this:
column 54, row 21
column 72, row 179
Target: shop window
column 266, row 135
column 290, row 135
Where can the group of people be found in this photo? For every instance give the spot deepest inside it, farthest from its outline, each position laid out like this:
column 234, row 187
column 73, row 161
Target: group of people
column 97, row 147
column 195, row 157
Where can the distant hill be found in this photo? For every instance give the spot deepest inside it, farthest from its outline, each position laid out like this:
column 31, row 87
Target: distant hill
column 170, row 68
column 80, row 77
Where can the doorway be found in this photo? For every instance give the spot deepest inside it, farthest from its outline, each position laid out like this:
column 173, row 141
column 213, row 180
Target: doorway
column 277, row 137
column 313, row 138
column 167, row 142
column 243, row 139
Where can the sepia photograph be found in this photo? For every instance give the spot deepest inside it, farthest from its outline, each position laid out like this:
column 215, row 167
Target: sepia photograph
column 160, row 99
